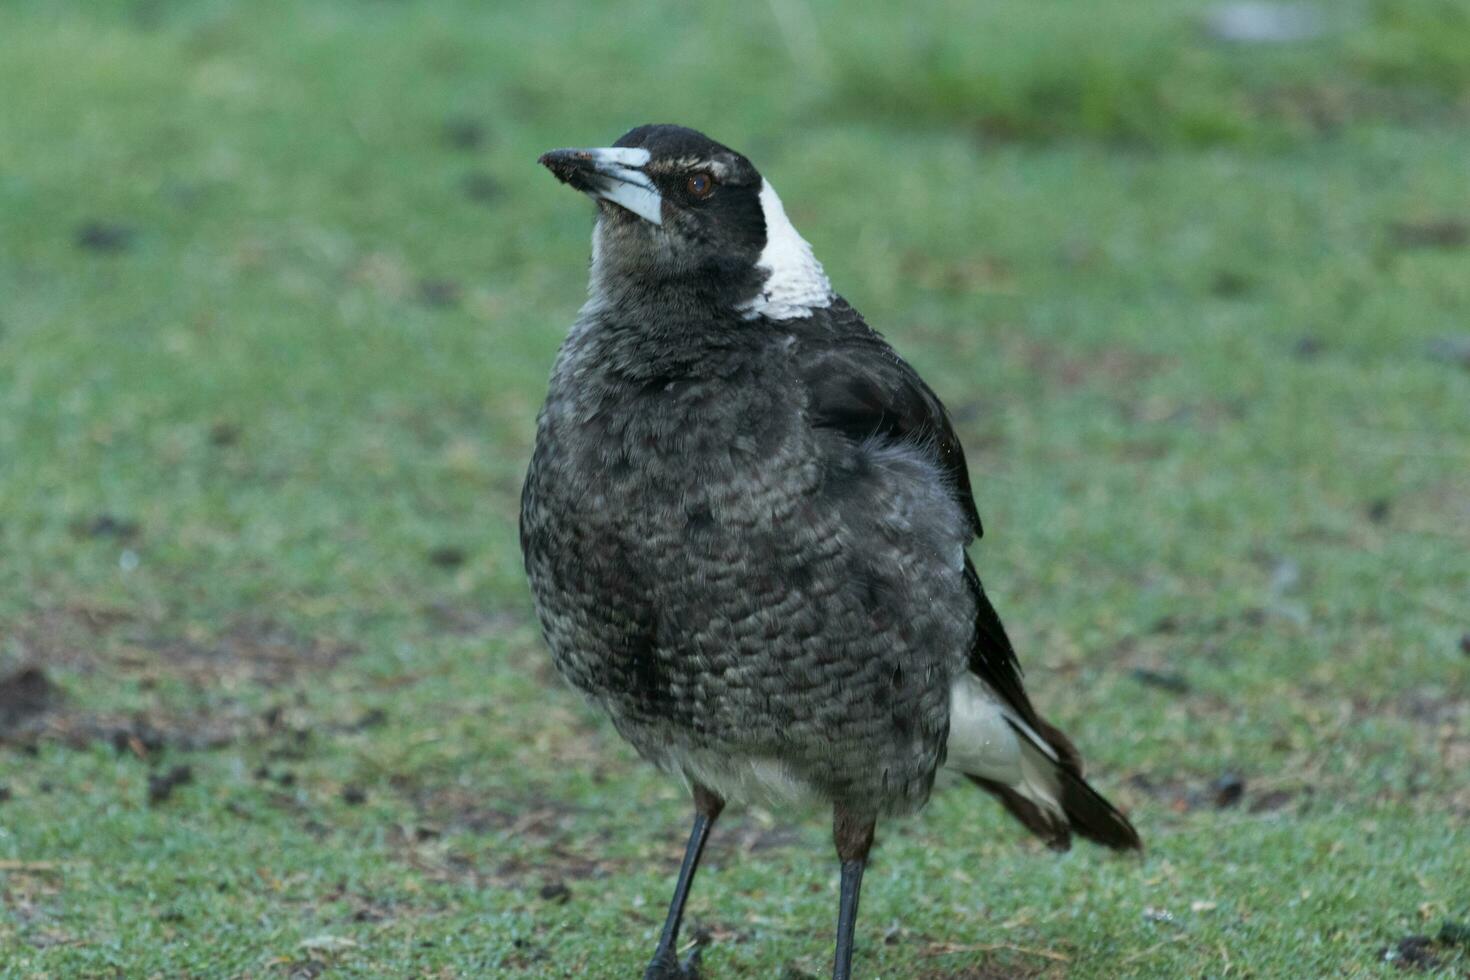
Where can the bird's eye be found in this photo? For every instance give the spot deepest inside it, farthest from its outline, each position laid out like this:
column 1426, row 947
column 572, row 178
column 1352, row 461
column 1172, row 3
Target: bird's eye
column 700, row 184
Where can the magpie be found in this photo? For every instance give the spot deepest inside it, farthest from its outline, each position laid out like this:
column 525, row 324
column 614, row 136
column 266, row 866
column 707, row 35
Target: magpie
column 745, row 526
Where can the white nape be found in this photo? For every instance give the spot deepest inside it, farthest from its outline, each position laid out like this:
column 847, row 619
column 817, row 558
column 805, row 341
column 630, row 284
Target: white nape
column 795, row 283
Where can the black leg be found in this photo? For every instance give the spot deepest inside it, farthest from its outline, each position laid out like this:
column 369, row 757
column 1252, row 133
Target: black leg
column 852, row 882
column 665, row 963
column 854, row 838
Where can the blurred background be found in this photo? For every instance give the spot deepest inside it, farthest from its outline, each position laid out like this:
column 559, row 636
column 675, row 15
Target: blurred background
column 280, row 286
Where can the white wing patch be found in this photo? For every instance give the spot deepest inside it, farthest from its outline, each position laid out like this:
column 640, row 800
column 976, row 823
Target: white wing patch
column 795, row 283
column 980, row 741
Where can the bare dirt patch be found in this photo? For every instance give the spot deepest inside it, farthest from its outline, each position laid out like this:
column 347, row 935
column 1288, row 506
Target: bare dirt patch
column 988, row 961
column 25, row 695
column 52, row 649
column 986, row 972
column 1422, row 954
column 83, row 638
column 70, row 636
column 261, row 650
column 30, row 893
column 1117, row 368
column 464, row 619
column 744, row 833
column 1227, row 791
column 1439, row 232
column 541, row 840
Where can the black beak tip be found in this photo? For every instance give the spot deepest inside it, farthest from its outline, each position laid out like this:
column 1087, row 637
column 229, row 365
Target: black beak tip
column 565, row 164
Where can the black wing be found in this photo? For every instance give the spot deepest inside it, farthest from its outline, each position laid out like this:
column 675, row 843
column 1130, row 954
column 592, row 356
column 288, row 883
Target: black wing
column 858, row 385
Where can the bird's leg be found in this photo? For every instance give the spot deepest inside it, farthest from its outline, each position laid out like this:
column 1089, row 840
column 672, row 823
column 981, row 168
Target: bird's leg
column 853, row 835
column 665, row 964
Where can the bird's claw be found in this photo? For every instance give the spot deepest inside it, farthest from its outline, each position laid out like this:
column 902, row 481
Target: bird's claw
column 666, row 966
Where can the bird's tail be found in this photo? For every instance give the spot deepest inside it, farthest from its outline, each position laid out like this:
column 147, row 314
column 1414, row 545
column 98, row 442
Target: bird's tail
column 1052, row 798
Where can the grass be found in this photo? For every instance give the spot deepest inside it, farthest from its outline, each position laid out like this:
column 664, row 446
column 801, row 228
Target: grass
column 279, row 288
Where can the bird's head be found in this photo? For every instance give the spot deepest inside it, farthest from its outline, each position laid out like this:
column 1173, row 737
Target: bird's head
column 681, row 214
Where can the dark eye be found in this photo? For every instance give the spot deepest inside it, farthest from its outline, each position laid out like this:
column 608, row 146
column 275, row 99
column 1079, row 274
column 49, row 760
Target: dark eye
column 700, row 185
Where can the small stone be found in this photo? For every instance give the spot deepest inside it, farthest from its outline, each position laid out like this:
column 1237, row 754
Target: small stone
column 162, row 785
column 1161, row 916
column 439, row 293
column 1164, row 681
column 1412, row 952
column 1445, row 233
column 103, row 236
column 106, row 526
column 480, row 188
column 371, row 718
column 24, row 695
column 791, row 971
column 224, row 434
column 1227, row 791
column 1453, row 933
column 1452, row 349
column 465, row 134
column 556, row 892
column 1308, row 347
column 1286, row 576
column 1264, row 23
column 447, row 556
column 327, row 944
column 1228, row 284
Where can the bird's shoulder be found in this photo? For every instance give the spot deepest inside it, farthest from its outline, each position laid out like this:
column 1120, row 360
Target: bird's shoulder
column 857, row 384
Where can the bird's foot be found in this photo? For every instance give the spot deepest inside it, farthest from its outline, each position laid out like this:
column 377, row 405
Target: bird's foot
column 666, row 966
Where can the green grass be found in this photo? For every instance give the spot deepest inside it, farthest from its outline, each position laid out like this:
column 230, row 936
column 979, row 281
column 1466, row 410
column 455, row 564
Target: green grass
column 1169, row 287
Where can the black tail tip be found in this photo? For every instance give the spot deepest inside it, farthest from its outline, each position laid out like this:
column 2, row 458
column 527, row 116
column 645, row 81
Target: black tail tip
column 1087, row 814
column 1094, row 818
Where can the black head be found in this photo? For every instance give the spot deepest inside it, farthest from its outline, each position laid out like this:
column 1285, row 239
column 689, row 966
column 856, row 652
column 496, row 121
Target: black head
column 678, row 210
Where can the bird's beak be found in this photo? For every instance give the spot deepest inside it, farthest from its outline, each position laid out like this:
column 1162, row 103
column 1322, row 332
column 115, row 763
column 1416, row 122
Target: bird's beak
column 610, row 173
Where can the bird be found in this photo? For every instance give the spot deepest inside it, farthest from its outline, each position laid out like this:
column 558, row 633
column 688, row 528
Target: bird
column 745, row 526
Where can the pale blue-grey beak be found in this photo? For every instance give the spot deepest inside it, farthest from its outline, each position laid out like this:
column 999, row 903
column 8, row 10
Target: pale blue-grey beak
column 610, row 173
